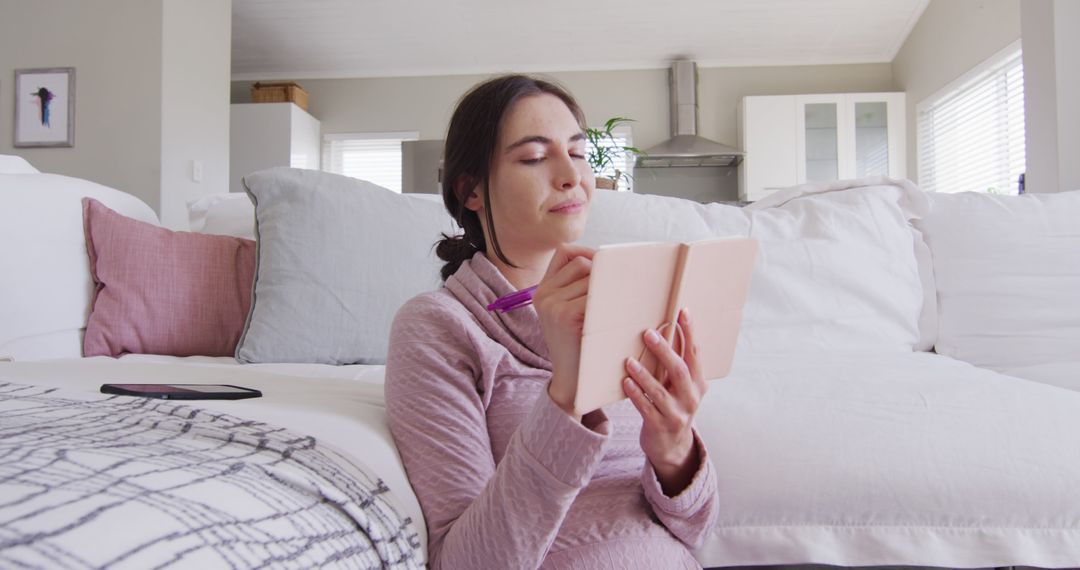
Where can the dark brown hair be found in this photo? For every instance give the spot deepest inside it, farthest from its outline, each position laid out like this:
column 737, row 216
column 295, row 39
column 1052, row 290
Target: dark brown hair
column 471, row 146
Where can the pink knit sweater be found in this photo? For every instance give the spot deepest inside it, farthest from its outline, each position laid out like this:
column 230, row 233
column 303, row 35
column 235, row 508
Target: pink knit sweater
column 505, row 478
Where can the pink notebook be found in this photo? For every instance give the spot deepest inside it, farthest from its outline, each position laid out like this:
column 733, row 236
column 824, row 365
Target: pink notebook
column 640, row 285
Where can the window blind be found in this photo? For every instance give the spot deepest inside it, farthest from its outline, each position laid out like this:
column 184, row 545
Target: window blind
column 375, row 157
column 971, row 136
column 624, row 162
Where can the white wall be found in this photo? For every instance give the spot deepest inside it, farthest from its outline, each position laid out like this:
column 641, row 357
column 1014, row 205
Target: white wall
column 115, row 48
column 1067, row 39
column 195, row 70
column 951, row 37
column 152, row 92
column 1052, row 94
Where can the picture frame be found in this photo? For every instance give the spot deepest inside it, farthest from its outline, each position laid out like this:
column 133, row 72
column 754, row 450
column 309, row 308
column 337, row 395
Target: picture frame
column 45, row 107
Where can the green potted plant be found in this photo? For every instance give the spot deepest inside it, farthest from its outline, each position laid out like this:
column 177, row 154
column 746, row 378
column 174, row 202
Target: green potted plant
column 604, row 149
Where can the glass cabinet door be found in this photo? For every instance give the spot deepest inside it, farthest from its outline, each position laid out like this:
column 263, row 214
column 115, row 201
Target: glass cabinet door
column 821, row 137
column 871, row 139
column 821, row 130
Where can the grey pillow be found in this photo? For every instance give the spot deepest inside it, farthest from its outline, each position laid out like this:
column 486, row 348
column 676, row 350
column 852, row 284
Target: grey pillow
column 336, row 258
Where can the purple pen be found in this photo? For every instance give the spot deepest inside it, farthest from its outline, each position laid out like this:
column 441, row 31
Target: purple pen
column 514, row 300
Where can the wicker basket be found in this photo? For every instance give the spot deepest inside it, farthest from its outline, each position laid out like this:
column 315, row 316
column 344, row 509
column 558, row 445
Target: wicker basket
column 279, row 93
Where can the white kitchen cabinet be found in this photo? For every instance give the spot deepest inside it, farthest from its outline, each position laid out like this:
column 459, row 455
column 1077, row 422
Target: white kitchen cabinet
column 793, row 139
column 264, row 135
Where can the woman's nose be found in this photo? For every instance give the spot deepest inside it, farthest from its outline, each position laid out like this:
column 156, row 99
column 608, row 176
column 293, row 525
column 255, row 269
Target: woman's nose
column 567, row 175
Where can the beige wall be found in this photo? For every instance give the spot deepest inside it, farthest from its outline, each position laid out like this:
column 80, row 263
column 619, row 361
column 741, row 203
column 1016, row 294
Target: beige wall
column 196, row 40
column 115, row 48
column 951, row 38
column 152, row 92
column 424, row 104
column 1067, row 40
column 1052, row 94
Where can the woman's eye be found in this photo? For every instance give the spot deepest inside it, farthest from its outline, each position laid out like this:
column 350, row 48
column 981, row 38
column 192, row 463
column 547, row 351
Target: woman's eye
column 582, row 156
column 532, row 160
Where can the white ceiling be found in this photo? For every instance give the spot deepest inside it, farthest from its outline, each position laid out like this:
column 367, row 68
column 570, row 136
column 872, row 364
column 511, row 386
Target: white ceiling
column 305, row 39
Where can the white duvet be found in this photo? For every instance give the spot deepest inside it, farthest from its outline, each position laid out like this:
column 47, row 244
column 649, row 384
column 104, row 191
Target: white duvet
column 840, row 458
column 900, row 458
column 1063, row 374
column 340, row 406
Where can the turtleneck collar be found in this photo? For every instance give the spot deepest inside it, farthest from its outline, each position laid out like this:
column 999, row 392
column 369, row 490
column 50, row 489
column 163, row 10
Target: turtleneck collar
column 476, row 284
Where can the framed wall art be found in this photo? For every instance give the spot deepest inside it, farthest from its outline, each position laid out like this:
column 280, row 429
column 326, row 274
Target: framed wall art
column 45, row 107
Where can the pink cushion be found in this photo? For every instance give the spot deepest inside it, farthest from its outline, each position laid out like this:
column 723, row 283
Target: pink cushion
column 163, row 292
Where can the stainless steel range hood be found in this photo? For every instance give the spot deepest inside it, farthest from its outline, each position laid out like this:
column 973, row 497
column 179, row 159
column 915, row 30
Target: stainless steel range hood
column 685, row 147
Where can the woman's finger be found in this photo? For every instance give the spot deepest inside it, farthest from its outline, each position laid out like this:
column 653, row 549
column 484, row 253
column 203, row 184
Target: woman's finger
column 571, row 291
column 664, row 402
column 571, row 271
column 644, row 405
column 678, row 375
column 577, row 250
column 690, row 351
column 564, row 254
column 573, row 311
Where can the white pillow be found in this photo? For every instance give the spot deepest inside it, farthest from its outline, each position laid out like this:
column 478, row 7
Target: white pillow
column 233, row 214
column 836, row 268
column 336, row 258
column 230, row 214
column 11, row 164
column 621, row 217
column 45, row 284
column 1008, row 277
column 837, row 262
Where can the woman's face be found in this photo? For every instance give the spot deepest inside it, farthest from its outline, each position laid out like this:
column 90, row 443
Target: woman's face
column 541, row 184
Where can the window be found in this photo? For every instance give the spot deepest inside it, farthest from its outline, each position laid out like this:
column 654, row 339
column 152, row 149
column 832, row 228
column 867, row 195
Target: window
column 624, row 163
column 375, row 157
column 971, row 134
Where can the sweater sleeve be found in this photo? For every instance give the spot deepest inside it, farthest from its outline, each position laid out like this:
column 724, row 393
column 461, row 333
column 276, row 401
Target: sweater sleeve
column 691, row 514
column 478, row 515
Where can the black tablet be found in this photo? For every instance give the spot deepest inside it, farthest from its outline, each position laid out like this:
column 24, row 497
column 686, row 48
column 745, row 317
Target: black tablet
column 182, row 391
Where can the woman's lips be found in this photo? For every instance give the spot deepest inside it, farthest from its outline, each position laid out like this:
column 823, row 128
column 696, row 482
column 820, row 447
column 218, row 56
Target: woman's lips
column 568, row 208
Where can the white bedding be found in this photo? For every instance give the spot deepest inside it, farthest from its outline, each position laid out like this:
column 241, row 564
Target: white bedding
column 1064, row 374
column 840, row 458
column 341, row 406
column 900, row 458
column 90, row 480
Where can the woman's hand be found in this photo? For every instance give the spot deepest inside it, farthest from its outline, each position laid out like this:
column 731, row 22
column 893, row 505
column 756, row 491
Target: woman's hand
column 560, row 302
column 667, row 437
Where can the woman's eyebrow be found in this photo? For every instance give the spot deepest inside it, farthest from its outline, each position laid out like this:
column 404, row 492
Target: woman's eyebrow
column 527, row 140
column 541, row 139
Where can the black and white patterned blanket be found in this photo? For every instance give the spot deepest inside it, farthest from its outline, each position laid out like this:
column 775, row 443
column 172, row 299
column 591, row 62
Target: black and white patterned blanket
column 93, row 481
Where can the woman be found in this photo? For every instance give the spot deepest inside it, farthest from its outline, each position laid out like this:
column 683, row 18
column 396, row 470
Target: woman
column 480, row 403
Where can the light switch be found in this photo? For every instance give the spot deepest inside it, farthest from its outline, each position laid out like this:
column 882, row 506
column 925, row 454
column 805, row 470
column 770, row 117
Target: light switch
column 196, row 171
